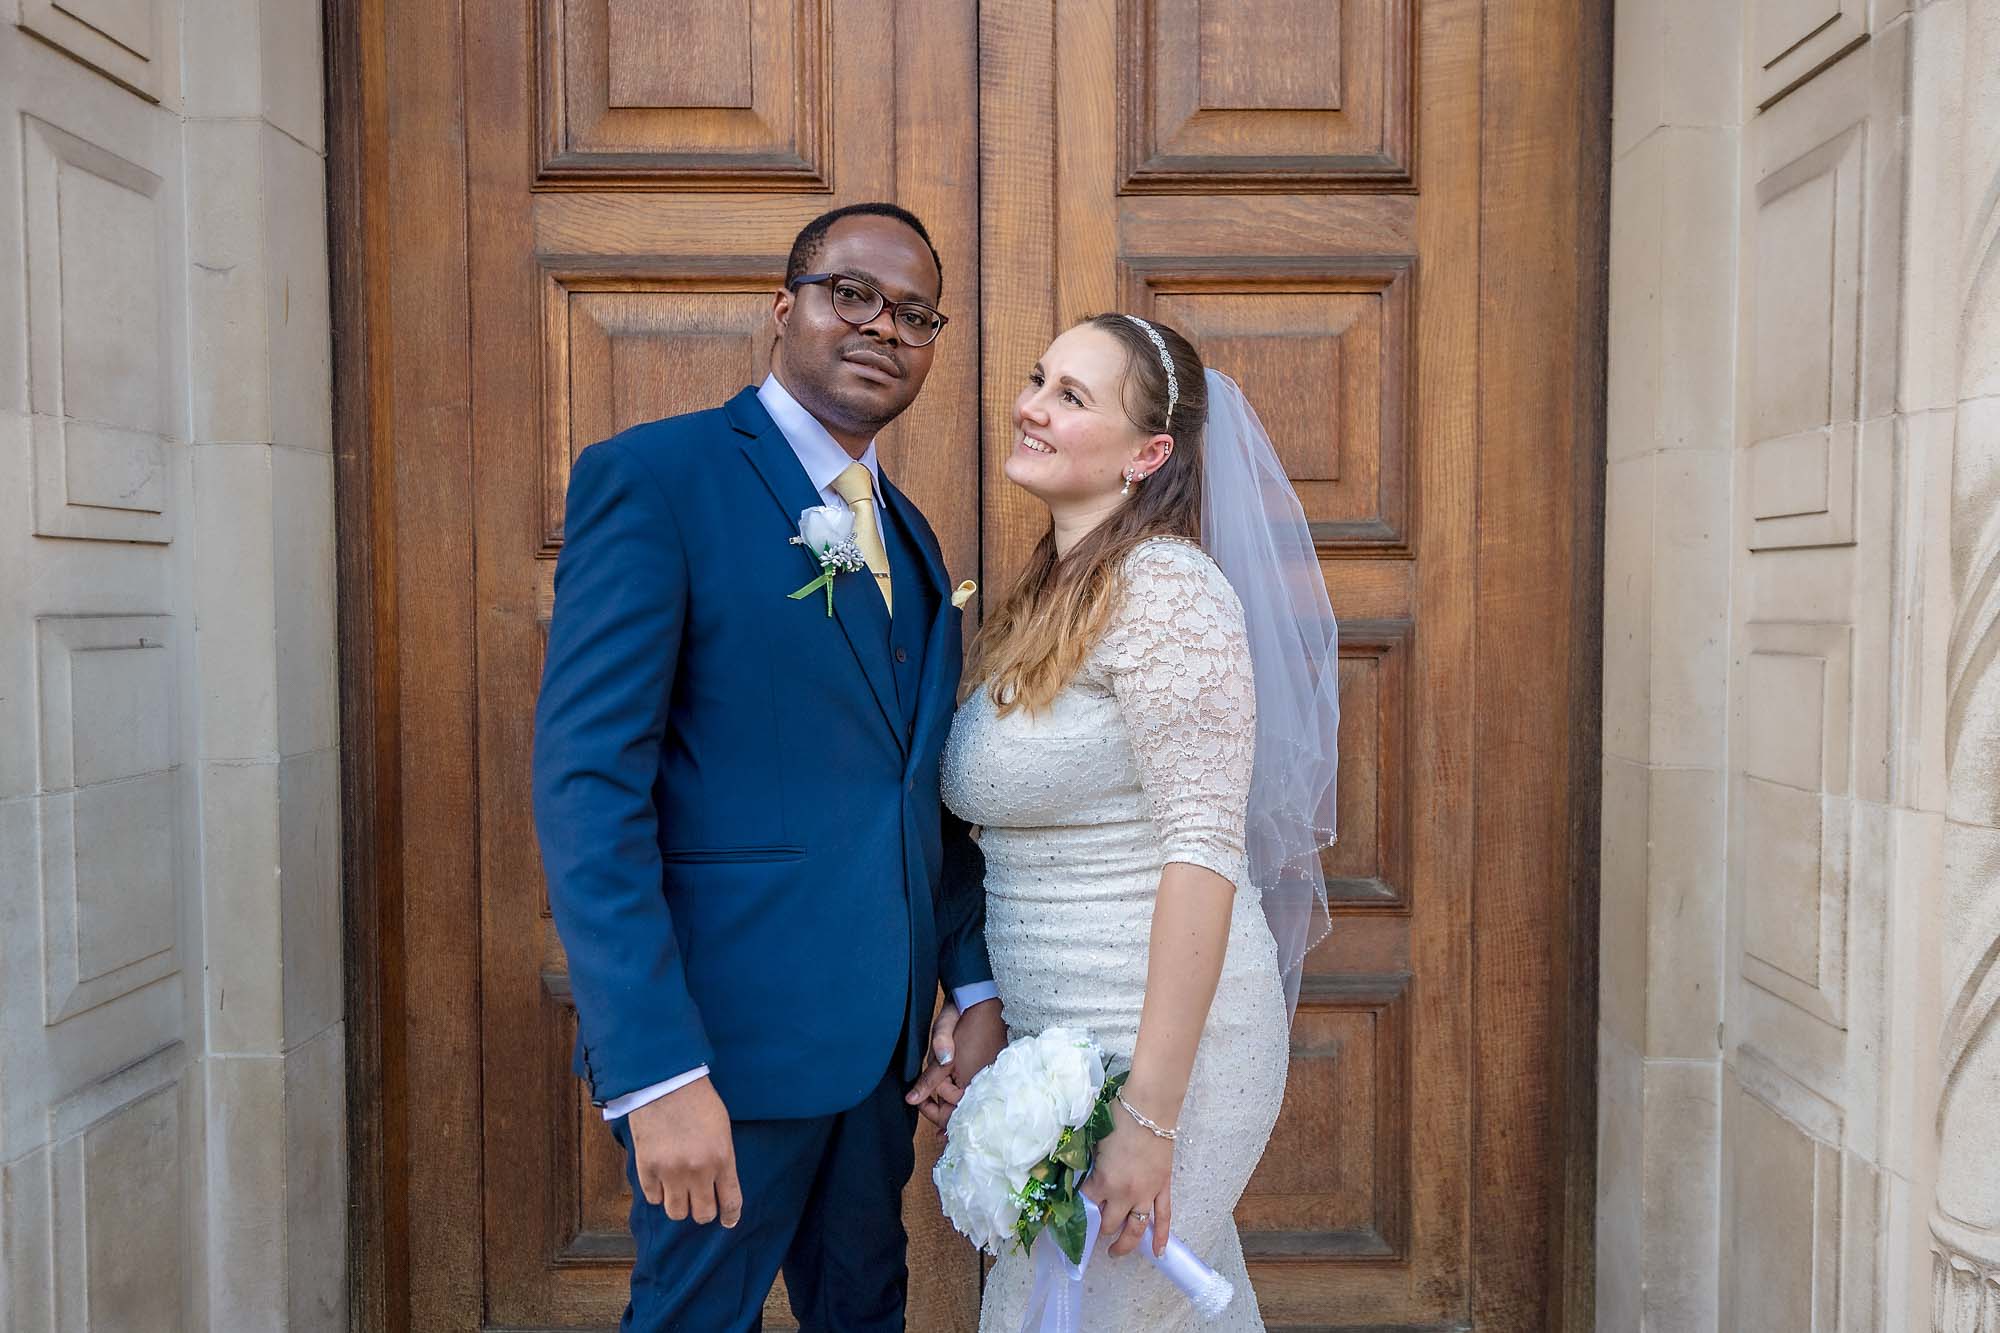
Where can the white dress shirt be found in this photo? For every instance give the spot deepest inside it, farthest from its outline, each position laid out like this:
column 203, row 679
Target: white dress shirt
column 824, row 459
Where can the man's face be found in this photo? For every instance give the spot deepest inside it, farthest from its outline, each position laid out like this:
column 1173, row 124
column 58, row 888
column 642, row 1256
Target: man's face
column 857, row 380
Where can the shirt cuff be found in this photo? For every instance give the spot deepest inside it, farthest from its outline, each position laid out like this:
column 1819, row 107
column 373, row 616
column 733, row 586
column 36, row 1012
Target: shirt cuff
column 978, row 992
column 632, row 1101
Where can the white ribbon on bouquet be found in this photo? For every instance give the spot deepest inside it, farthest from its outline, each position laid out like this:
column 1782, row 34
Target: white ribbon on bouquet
column 1056, row 1304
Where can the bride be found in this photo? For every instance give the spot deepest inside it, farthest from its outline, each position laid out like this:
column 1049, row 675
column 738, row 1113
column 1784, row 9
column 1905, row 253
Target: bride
column 1147, row 743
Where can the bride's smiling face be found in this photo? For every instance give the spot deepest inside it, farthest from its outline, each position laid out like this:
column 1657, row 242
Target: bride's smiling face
column 1073, row 439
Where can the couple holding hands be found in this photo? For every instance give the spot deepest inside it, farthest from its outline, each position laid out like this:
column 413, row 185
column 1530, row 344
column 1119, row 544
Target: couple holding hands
column 773, row 824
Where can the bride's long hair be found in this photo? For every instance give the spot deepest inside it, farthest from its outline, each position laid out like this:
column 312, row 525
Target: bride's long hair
column 1033, row 642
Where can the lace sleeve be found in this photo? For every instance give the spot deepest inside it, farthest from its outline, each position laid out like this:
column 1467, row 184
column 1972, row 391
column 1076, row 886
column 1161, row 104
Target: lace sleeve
column 1178, row 661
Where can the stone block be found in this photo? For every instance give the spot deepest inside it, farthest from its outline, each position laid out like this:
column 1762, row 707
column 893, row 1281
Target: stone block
column 235, row 599
column 305, row 614
column 293, row 69
column 1638, row 289
column 1688, row 646
column 1813, row 585
column 297, row 300
column 27, row 1298
column 1698, row 289
column 1638, row 91
column 1623, row 984
column 1931, row 250
column 1685, row 886
column 112, row 870
column 130, row 1169
column 1681, row 1254
column 244, row 945
column 119, row 1167
column 229, row 282
column 225, row 73
column 309, row 883
column 1703, row 85
column 316, row 1185
column 247, row 1196
column 135, row 43
column 104, row 316
column 1923, row 630
column 1620, row 1184
column 1628, row 583
column 1780, row 1254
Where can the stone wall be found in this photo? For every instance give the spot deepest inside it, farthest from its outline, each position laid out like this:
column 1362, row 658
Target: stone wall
column 1957, row 370
column 171, row 1139
column 1778, row 597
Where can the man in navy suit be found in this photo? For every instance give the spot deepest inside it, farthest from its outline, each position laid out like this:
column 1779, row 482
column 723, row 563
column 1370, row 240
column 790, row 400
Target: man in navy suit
column 737, row 797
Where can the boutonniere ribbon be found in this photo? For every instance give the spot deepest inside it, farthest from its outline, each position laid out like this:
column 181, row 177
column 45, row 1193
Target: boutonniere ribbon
column 963, row 593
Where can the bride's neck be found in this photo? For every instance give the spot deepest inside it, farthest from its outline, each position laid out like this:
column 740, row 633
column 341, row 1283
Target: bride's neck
column 1073, row 524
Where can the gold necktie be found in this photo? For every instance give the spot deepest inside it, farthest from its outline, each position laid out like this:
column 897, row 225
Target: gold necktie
column 857, row 487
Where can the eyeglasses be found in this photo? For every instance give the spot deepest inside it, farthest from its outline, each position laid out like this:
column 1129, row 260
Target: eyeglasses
column 858, row 302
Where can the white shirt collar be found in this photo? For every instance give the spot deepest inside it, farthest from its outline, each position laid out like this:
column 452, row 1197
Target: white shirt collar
column 818, row 452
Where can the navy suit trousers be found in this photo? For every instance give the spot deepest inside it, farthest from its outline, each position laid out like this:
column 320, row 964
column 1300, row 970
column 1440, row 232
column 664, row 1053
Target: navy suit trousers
column 822, row 1199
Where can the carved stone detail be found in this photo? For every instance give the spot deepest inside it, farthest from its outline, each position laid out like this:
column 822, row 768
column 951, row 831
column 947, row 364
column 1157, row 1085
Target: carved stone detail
column 1965, row 1290
column 1966, row 1221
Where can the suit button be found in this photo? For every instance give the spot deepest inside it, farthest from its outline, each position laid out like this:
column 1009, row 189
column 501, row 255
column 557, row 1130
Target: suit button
column 902, row 655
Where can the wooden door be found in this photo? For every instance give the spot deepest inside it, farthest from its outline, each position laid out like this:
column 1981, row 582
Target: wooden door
column 1374, row 215
column 587, row 205
column 558, row 217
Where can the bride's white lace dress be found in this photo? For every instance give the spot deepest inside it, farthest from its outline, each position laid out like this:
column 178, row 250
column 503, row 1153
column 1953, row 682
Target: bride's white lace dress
column 1144, row 758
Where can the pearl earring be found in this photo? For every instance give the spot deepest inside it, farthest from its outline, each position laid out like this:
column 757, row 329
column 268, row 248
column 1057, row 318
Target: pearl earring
column 1129, row 479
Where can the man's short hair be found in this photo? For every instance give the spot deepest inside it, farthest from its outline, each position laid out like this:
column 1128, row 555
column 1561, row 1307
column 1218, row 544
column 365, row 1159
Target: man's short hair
column 806, row 245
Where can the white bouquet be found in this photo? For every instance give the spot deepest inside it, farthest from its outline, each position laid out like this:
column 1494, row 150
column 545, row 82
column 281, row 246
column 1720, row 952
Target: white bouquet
column 1018, row 1147
column 1021, row 1140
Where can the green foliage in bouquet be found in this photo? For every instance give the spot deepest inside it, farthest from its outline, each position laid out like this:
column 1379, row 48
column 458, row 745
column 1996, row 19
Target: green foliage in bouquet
column 1050, row 1198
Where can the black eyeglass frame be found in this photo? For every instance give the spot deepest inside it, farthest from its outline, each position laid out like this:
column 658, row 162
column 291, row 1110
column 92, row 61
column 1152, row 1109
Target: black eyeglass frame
column 882, row 302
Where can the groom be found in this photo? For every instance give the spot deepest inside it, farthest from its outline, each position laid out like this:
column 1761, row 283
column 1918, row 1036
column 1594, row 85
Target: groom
column 737, row 799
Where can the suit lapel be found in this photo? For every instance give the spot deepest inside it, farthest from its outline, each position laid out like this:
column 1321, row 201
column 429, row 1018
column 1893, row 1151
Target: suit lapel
column 858, row 609
column 941, row 656
column 920, row 537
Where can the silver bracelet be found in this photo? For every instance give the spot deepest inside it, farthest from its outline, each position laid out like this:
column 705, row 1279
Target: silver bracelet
column 1159, row 1130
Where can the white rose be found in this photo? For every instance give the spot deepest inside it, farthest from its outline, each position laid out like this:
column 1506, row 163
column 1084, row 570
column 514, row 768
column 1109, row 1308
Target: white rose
column 977, row 1199
column 823, row 527
column 992, row 1199
column 1029, row 1132
column 1074, row 1073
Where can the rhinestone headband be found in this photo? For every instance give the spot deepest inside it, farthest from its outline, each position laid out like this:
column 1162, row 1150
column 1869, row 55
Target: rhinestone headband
column 1166, row 364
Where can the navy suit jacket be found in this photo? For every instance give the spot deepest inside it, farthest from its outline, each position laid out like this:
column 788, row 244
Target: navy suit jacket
column 737, row 794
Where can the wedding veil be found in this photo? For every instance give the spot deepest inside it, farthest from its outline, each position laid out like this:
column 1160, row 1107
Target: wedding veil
column 1253, row 526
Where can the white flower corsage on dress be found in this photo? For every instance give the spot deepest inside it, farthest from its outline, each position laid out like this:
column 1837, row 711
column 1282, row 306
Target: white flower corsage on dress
column 828, row 533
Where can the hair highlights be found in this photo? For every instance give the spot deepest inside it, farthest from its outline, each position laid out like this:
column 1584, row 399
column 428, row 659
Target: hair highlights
column 1034, row 641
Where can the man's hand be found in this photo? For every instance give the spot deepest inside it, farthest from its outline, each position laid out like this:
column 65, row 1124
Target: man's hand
column 961, row 1046
column 934, row 1084
column 685, row 1155
column 981, row 1035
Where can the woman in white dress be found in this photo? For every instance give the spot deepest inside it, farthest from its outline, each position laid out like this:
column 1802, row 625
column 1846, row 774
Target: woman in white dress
column 1105, row 748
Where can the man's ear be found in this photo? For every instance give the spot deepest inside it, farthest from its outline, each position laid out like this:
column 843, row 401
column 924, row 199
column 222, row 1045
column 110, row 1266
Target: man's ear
column 781, row 309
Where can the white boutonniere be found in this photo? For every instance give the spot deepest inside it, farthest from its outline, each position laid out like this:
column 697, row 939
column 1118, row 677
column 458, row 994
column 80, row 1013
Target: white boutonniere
column 828, row 533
